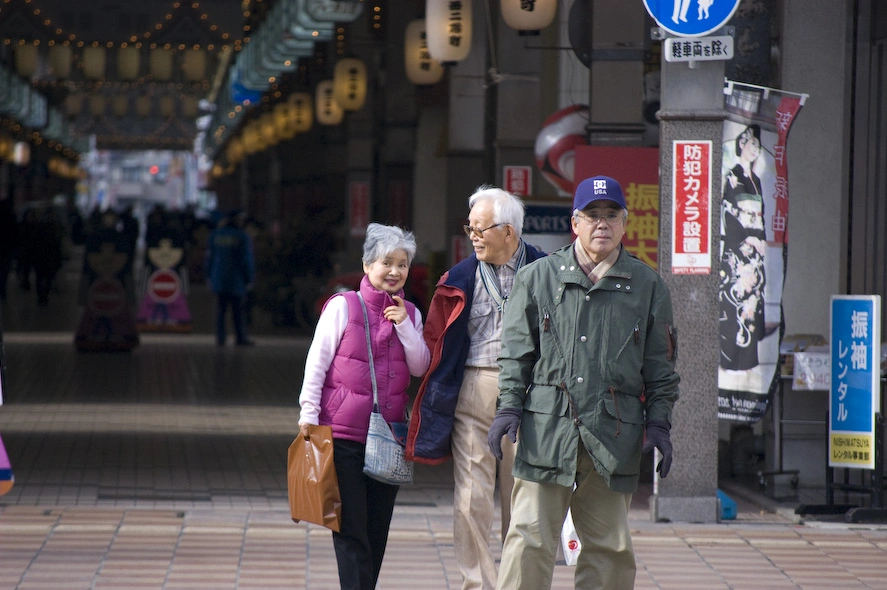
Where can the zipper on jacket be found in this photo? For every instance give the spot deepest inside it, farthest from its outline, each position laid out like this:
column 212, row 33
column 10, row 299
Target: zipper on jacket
column 616, row 405
column 637, row 333
column 672, row 343
column 546, row 327
column 546, row 322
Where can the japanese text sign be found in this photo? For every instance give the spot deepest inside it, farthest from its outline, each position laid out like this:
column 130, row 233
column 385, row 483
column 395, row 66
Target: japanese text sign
column 854, row 396
column 691, row 207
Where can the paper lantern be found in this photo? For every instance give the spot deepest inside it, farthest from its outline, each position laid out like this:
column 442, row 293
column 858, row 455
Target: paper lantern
column 285, row 120
column 94, row 62
column 143, row 106
column 167, row 106
column 528, row 16
column 120, row 105
column 129, row 61
column 252, row 138
column 303, row 111
column 448, row 25
column 268, row 129
column 27, row 57
column 350, row 83
column 60, row 57
column 328, row 110
column 21, row 153
column 73, row 105
column 234, row 151
column 6, row 147
column 97, row 105
column 194, row 65
column 190, row 106
column 421, row 68
column 161, row 63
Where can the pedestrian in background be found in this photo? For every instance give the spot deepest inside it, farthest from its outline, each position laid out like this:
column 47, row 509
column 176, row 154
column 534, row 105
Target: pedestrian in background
column 457, row 399
column 231, row 271
column 338, row 391
column 587, row 362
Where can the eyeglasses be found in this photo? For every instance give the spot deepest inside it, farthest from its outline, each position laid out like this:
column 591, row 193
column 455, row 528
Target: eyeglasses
column 478, row 232
column 612, row 218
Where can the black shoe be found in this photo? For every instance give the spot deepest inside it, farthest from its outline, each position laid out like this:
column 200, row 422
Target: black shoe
column 246, row 343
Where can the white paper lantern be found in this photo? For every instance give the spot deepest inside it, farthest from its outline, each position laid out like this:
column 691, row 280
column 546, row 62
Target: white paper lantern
column 97, row 105
column 252, row 137
column 268, row 129
column 128, row 62
column 21, row 153
column 120, row 105
column 94, row 62
column 303, row 111
column 194, row 65
column 528, row 15
column 190, row 106
column 143, row 106
column 350, row 83
column 167, row 106
column 284, row 120
column 27, row 57
column 448, row 25
column 234, row 151
column 328, row 110
column 60, row 57
column 161, row 63
column 420, row 67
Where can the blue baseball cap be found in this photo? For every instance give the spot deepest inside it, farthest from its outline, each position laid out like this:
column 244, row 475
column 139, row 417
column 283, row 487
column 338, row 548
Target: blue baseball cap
column 598, row 188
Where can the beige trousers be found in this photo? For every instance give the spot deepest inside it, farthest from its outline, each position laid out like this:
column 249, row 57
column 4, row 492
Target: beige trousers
column 474, row 471
column 606, row 561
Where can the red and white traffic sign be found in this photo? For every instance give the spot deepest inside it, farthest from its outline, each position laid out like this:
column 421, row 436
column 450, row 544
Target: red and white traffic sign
column 164, row 286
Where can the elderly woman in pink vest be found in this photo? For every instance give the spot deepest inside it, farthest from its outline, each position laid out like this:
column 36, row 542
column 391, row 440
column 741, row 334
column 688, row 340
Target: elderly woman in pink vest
column 338, row 392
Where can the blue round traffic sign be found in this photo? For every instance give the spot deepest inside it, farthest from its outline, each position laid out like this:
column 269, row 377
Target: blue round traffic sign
column 691, row 18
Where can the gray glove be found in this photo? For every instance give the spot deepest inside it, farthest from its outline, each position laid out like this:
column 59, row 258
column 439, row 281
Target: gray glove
column 507, row 421
column 658, row 436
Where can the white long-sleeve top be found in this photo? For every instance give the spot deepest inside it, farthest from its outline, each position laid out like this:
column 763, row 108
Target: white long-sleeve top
column 327, row 336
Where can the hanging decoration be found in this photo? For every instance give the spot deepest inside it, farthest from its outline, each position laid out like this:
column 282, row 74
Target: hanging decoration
column 350, row 83
column 161, row 63
column 303, row 111
column 94, row 62
column 528, row 16
column 328, row 110
column 421, row 68
column 128, row 62
column 448, row 26
column 60, row 57
column 194, row 64
column 27, row 59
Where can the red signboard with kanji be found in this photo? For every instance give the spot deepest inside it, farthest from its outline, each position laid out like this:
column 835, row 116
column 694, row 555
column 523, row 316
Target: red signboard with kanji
column 691, row 208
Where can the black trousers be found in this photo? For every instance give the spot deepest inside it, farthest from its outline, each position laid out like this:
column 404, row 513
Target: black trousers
column 367, row 506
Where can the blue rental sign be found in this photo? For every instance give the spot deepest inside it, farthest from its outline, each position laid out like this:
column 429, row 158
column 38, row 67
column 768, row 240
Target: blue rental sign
column 854, row 395
column 687, row 18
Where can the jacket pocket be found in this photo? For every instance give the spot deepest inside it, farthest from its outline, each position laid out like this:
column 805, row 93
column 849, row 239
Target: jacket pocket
column 545, row 427
column 622, row 431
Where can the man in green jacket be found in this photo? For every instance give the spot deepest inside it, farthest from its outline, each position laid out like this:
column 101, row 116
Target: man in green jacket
column 587, row 366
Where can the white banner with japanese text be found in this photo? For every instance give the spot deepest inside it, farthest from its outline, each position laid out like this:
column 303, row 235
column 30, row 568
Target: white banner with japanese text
column 753, row 247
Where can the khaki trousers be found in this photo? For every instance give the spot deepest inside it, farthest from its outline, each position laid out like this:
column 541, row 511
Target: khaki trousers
column 474, row 471
column 606, row 561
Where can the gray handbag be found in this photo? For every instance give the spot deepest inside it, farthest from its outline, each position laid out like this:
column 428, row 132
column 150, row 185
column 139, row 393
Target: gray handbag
column 384, row 459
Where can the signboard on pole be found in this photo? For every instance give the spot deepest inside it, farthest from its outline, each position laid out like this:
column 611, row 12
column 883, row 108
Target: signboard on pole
column 691, row 208
column 854, row 396
column 676, row 17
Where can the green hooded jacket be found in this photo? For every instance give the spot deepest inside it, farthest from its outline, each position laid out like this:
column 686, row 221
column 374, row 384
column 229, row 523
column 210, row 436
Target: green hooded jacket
column 589, row 363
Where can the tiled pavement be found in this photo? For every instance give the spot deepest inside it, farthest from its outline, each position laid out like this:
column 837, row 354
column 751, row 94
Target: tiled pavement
column 164, row 468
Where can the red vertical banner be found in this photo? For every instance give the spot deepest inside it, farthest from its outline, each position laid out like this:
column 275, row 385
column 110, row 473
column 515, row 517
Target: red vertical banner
column 785, row 114
column 636, row 169
column 518, row 180
column 691, row 208
column 358, row 207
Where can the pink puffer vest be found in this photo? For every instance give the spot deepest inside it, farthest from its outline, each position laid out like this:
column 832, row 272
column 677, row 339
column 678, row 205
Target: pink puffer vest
column 347, row 395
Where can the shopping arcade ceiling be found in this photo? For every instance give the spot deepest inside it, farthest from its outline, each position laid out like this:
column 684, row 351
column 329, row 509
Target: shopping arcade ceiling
column 133, row 100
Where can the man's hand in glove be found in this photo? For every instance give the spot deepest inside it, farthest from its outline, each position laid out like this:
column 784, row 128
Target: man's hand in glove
column 657, row 436
column 506, row 421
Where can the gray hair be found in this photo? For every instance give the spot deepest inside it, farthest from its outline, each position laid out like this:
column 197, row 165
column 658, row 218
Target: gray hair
column 382, row 240
column 507, row 208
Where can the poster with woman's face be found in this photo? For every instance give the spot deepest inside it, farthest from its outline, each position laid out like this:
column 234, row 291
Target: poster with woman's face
column 751, row 266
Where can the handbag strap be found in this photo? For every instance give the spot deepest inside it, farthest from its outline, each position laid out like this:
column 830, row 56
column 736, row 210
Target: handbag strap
column 366, row 325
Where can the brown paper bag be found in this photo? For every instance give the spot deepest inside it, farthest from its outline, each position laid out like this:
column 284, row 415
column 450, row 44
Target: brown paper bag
column 311, row 478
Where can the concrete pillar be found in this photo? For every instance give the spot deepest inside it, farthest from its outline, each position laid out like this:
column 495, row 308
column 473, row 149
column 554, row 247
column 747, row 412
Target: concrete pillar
column 692, row 109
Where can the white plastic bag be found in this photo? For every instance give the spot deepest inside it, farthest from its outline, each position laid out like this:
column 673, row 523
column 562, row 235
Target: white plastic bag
column 570, row 540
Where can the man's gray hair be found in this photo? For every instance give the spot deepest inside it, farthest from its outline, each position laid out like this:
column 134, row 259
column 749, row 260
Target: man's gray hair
column 382, row 240
column 507, row 208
